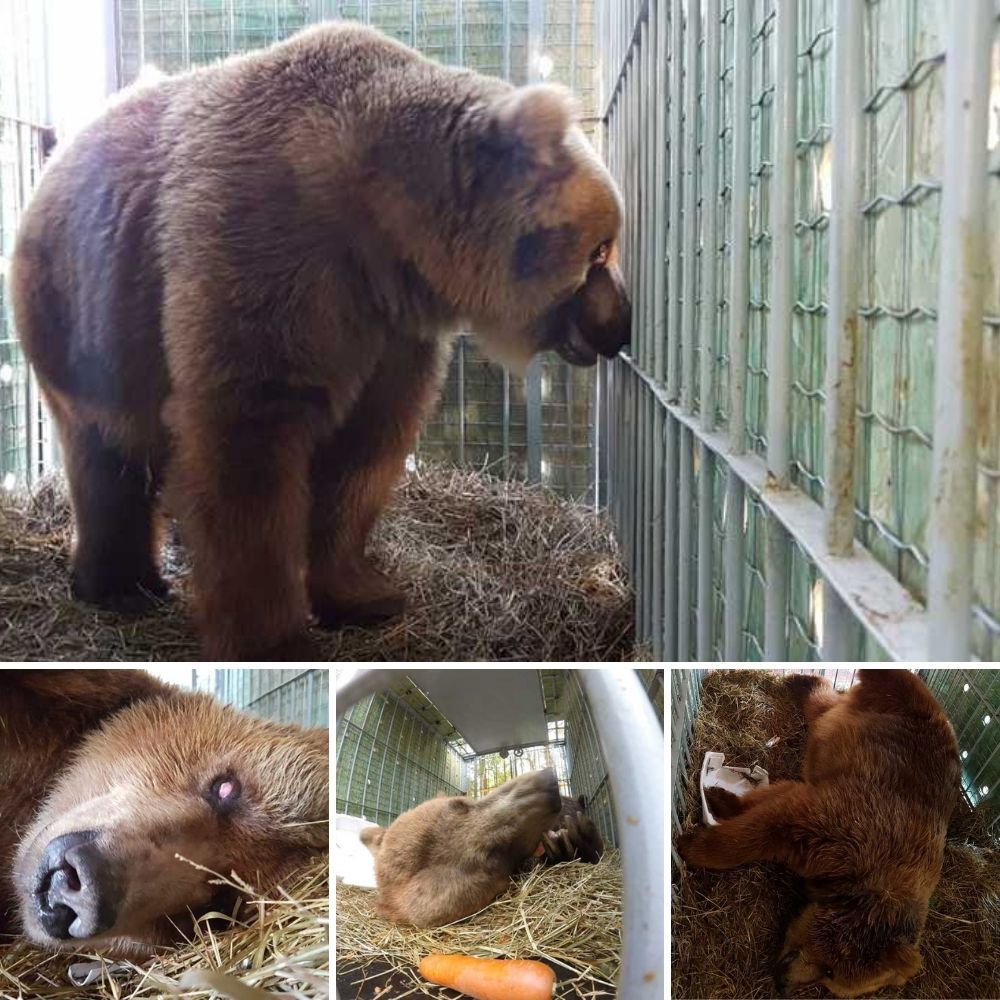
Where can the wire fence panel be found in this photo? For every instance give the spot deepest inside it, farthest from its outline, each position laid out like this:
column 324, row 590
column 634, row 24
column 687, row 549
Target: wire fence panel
column 770, row 109
column 288, row 695
column 540, row 427
column 22, row 141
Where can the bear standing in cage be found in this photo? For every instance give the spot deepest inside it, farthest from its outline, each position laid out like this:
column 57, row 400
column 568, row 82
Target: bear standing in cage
column 237, row 289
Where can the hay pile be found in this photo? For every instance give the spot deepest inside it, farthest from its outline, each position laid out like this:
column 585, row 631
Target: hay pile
column 569, row 916
column 494, row 569
column 729, row 926
column 279, row 948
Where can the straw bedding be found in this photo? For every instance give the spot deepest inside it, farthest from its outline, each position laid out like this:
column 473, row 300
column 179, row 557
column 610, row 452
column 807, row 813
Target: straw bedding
column 728, row 926
column 568, row 915
column 278, row 948
column 494, row 569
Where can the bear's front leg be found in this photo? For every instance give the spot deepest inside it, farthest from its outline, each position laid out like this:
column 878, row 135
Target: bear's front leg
column 766, row 830
column 242, row 496
column 352, row 478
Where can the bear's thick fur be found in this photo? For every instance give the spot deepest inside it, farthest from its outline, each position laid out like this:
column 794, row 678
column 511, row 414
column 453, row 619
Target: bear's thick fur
column 106, row 775
column 865, row 827
column 239, row 286
column 450, row 856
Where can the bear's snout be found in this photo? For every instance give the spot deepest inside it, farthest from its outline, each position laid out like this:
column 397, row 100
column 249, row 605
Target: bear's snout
column 76, row 887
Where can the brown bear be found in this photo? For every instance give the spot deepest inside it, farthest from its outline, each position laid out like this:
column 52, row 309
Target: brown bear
column 451, row 856
column 106, row 775
column 574, row 836
column 865, row 828
column 241, row 284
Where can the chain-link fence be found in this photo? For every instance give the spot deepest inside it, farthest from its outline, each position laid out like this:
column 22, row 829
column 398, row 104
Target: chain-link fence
column 768, row 446
column 284, row 695
column 23, row 436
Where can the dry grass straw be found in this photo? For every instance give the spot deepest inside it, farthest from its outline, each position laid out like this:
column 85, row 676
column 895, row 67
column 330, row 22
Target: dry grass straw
column 494, row 570
column 569, row 915
column 279, row 948
column 729, row 926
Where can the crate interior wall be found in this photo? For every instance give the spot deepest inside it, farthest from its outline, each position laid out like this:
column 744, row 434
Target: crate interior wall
column 22, row 434
column 393, row 753
column 970, row 698
column 714, row 458
column 284, row 695
column 539, row 427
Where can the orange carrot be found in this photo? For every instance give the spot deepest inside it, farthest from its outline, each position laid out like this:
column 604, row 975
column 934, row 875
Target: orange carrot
column 490, row 978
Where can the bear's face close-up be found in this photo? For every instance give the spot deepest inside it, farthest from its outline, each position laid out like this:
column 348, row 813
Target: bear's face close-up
column 163, row 781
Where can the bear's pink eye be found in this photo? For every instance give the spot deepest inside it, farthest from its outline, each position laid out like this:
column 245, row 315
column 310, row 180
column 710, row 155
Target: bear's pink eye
column 224, row 792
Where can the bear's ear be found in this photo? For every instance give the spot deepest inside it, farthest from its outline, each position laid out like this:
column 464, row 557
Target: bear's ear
column 582, row 799
column 535, row 119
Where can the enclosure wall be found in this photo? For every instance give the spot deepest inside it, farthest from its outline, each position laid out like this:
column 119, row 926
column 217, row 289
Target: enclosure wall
column 24, row 441
column 540, row 427
column 290, row 695
column 799, row 180
column 388, row 761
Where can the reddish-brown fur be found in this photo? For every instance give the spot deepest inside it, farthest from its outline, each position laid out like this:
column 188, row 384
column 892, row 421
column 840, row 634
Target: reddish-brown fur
column 122, row 754
column 865, row 828
column 450, row 856
column 240, row 285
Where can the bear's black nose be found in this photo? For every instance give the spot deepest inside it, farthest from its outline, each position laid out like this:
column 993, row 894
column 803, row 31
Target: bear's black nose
column 76, row 892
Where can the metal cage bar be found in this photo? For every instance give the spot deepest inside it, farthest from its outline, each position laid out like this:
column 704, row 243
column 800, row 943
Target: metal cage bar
column 957, row 374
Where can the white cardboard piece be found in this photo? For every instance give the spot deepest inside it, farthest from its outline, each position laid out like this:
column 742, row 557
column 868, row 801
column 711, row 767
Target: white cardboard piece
column 738, row 780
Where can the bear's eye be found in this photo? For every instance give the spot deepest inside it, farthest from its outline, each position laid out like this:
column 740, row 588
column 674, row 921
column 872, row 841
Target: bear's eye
column 828, row 973
column 601, row 253
column 224, row 792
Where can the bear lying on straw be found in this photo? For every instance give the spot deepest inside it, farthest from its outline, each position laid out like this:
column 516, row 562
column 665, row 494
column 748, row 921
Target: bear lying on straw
column 106, row 776
column 865, row 828
column 451, row 856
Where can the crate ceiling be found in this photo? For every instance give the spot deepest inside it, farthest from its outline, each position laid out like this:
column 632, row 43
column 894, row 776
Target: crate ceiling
column 491, row 709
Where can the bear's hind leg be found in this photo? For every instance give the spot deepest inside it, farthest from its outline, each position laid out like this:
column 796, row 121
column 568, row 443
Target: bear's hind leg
column 113, row 562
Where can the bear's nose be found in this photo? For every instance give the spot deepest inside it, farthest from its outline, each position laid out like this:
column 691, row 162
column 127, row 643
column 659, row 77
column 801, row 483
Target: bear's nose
column 77, row 893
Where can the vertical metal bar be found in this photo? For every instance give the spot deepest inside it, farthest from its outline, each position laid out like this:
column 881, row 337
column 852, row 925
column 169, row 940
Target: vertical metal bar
column 674, row 332
column 630, row 738
column 837, row 627
column 660, row 193
column 461, row 400
column 732, row 555
column 574, row 15
column 684, row 544
column 782, row 196
column 776, row 559
column 656, row 544
column 141, row 12
column 709, row 220
column 459, row 34
column 706, row 511
column 739, row 293
column 506, row 39
column 690, row 166
column 670, row 528
column 957, row 377
column 533, row 378
column 413, row 27
column 847, row 136
column 642, row 584
column 505, row 430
